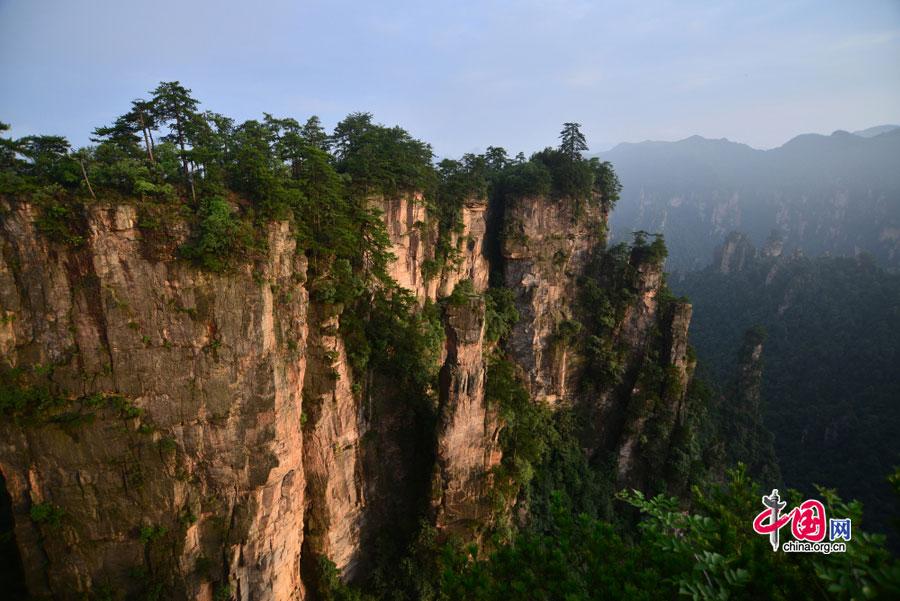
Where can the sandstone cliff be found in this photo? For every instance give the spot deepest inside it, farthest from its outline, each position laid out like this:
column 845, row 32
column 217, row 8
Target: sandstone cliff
column 175, row 455
column 546, row 246
column 206, row 433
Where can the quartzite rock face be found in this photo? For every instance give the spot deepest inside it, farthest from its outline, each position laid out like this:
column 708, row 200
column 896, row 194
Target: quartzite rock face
column 468, row 431
column 335, row 498
column 205, row 456
column 225, row 441
column 413, row 239
column 734, row 253
column 546, row 246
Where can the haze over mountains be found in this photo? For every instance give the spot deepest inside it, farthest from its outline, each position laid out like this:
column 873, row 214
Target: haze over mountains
column 837, row 194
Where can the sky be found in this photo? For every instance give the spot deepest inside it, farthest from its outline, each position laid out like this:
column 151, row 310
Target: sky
column 465, row 74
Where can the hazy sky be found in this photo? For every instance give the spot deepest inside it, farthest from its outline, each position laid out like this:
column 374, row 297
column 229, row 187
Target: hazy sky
column 465, row 74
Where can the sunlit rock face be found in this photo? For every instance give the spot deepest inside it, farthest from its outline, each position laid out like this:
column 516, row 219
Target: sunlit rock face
column 196, row 474
column 546, row 246
column 213, row 435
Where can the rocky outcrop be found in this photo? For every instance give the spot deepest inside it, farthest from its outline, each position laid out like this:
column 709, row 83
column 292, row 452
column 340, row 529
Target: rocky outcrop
column 774, row 246
column 207, row 434
column 412, row 241
column 466, row 434
column 746, row 439
column 335, row 496
column 734, row 254
column 468, row 431
column 191, row 475
column 413, row 236
column 546, row 246
column 471, row 263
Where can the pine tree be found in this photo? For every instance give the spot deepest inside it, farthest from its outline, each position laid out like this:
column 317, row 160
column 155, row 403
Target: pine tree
column 174, row 106
column 572, row 141
column 314, row 134
column 8, row 149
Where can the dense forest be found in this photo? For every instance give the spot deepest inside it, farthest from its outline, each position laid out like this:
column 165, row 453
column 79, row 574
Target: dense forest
column 830, row 354
column 571, row 535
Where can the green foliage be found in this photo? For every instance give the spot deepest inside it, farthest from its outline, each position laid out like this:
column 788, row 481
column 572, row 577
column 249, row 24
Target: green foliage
column 48, row 160
column 458, row 181
column 59, row 220
column 462, row 293
column 715, row 554
column 25, row 396
column 329, row 586
column 47, row 514
column 173, row 105
column 381, row 160
column 567, row 330
column 313, row 133
column 500, row 313
column 525, row 425
column 580, row 559
column 652, row 253
column 565, row 480
column 571, row 178
column 28, row 397
column 606, row 182
column 218, row 237
column 150, row 533
column 523, row 180
column 605, row 292
column 571, row 141
column 710, row 552
column 391, row 335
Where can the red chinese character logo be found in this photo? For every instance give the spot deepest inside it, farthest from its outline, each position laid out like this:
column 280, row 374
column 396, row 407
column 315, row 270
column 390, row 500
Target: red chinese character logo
column 809, row 521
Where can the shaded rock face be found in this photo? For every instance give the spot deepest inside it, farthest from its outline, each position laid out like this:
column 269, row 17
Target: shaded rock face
column 653, row 406
column 735, row 253
column 465, row 445
column 207, row 456
column 546, row 246
column 331, row 455
column 633, row 420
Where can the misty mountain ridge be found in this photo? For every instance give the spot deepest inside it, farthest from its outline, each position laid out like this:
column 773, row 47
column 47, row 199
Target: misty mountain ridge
column 700, row 141
column 871, row 132
column 833, row 194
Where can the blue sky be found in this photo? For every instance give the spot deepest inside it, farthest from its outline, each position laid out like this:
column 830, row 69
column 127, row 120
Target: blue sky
column 465, row 74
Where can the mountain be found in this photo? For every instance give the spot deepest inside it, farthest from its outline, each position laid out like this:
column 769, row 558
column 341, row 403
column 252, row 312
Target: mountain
column 837, row 194
column 871, row 132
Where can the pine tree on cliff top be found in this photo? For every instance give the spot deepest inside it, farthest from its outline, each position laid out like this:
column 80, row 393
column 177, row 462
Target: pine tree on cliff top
column 572, row 141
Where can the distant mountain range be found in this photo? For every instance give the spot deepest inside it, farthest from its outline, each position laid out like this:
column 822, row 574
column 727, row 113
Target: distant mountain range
column 871, row 132
column 837, row 194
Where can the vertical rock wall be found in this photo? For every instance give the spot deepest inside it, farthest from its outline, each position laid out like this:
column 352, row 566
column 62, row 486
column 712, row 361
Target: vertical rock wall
column 213, row 434
column 467, row 429
column 194, row 476
column 546, row 246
